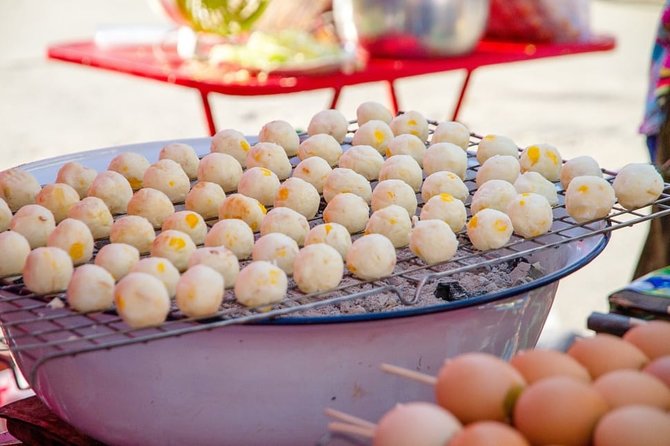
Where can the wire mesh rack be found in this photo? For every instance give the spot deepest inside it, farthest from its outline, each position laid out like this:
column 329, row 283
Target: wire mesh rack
column 42, row 327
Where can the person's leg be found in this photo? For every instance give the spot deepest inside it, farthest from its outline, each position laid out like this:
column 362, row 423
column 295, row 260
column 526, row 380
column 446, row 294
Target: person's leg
column 656, row 251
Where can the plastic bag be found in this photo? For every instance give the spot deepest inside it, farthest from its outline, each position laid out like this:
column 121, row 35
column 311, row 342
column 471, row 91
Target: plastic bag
column 539, row 20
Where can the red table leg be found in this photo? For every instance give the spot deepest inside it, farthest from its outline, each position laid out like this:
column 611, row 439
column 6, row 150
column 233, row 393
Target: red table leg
column 393, row 97
column 336, row 97
column 208, row 112
column 461, row 96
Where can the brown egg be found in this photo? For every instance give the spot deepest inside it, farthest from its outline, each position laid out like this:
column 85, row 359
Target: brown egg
column 559, row 410
column 633, row 426
column 652, row 338
column 487, row 433
column 478, row 386
column 660, row 368
column 539, row 363
column 416, row 424
column 603, row 353
column 625, row 387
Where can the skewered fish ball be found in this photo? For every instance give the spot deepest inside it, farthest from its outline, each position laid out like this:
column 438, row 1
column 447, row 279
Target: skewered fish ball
column 332, row 234
column 160, row 268
column 233, row 143
column 402, row 167
column 141, row 300
column 73, row 237
column 373, row 133
column 277, row 248
column 535, row 183
column 330, row 122
column 489, row 229
column 299, row 195
column 318, row 267
column 637, row 185
column 175, row 246
column 494, row 194
column 18, row 188
column 168, row 177
column 112, row 188
column 132, row 166
column 433, row 241
column 314, row 170
column 452, row 132
column 15, row 249
column 95, row 214
column 491, row 145
column 416, row 423
column 133, row 230
column 342, row 180
column 188, row 222
column 370, row 110
column 543, row 159
column 260, row 283
column 90, row 289
column 233, row 234
column 444, row 182
column 117, row 258
column 445, row 156
column 589, row 198
column 271, row 156
column 35, row 223
column 259, row 183
column 184, row 155
column 281, row 133
column 286, row 221
column 321, row 145
column 58, row 198
column 392, row 222
column 371, row 257
column 390, row 192
column 205, row 198
column 530, row 214
column 5, row 215
column 349, row 210
column 47, row 270
column 411, row 122
column 577, row 167
column 364, row 160
column 220, row 259
column 151, row 204
column 446, row 208
column 499, row 167
column 221, row 169
column 199, row 291
column 244, row 208
column 76, row 176
column 407, row 144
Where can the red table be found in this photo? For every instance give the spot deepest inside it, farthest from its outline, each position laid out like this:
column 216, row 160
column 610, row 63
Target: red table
column 163, row 64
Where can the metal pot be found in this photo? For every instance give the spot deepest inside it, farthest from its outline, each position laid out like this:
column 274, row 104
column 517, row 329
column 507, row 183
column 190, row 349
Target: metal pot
column 412, row 28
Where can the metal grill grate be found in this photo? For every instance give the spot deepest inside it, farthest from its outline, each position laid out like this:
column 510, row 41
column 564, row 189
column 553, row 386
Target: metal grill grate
column 42, row 328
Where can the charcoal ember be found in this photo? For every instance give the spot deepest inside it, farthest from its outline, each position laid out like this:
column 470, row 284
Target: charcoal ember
column 513, row 264
column 451, row 291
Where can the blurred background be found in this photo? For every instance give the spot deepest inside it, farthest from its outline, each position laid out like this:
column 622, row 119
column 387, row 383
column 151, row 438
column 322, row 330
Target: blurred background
column 583, row 104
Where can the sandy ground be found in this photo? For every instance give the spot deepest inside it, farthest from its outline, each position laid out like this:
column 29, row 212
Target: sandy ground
column 586, row 104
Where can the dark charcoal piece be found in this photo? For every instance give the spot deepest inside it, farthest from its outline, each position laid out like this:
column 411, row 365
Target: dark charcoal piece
column 450, row 291
column 512, row 263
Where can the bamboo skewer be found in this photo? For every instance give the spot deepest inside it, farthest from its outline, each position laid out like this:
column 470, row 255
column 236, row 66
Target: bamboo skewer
column 346, row 428
column 410, row 374
column 351, row 419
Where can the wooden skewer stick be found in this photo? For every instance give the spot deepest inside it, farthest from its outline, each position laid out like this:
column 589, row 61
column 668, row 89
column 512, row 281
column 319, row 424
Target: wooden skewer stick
column 407, row 373
column 346, row 428
column 333, row 413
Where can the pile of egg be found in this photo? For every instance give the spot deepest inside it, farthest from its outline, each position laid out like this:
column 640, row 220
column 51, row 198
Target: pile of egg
column 604, row 391
column 53, row 228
